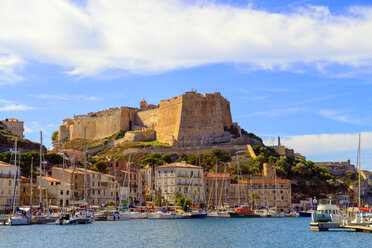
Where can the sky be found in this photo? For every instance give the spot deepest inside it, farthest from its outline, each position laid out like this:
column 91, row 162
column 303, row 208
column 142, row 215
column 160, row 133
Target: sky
column 301, row 70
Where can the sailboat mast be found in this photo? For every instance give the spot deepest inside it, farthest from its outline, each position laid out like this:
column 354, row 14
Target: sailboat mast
column 31, row 190
column 216, row 186
column 63, row 180
column 73, row 177
column 41, row 165
column 238, row 168
column 128, row 169
column 359, row 171
column 15, row 175
column 85, row 166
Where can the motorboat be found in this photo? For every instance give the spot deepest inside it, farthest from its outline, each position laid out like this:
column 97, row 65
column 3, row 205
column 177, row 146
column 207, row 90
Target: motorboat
column 117, row 216
column 18, row 218
column 198, row 214
column 328, row 210
column 243, row 212
column 170, row 215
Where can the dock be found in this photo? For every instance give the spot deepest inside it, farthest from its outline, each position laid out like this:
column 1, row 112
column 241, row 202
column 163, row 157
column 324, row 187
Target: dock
column 357, row 228
column 3, row 219
column 324, row 226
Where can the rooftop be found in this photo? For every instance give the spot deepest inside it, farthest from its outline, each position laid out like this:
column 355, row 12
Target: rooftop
column 12, row 120
column 3, row 164
column 218, row 175
column 267, row 181
column 183, row 164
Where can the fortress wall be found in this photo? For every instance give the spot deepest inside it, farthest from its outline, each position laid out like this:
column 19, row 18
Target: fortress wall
column 147, row 118
column 204, row 114
column 169, row 120
column 127, row 116
column 63, row 132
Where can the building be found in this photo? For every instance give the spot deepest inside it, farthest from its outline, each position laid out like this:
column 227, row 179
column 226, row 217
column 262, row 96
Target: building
column 262, row 193
column 57, row 194
column 219, row 182
column 182, row 177
column 7, row 172
column 25, row 196
column 15, row 126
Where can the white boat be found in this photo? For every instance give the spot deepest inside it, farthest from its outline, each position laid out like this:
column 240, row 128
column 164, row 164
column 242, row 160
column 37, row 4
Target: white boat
column 156, row 215
column 117, row 216
column 67, row 219
column 328, row 210
column 218, row 214
column 18, row 218
column 137, row 215
column 170, row 215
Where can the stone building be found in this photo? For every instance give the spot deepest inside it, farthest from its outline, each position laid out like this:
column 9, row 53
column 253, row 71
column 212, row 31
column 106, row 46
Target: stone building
column 219, row 182
column 191, row 119
column 7, row 184
column 267, row 193
column 15, row 126
column 182, row 177
column 57, row 194
column 25, row 196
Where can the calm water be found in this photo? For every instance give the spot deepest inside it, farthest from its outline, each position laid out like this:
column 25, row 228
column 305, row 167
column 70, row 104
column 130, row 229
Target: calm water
column 265, row 232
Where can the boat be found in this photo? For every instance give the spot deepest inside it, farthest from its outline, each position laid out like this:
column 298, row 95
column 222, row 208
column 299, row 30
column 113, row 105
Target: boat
column 170, row 215
column 18, row 218
column 198, row 214
column 305, row 213
column 117, row 216
column 154, row 215
column 137, row 215
column 328, row 210
column 243, row 212
column 68, row 219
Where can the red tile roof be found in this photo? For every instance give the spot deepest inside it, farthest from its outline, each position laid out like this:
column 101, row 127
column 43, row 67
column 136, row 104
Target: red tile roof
column 178, row 165
column 268, row 181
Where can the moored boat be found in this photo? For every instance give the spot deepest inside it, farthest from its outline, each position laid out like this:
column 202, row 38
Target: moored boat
column 117, row 216
column 18, row 218
column 243, row 212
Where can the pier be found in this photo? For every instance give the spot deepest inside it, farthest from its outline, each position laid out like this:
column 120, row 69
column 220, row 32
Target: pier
column 324, row 226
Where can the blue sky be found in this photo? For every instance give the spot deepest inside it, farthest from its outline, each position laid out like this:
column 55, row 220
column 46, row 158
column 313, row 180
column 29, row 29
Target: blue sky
column 298, row 69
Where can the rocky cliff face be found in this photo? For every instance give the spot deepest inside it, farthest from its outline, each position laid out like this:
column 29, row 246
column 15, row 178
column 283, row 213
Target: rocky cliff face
column 7, row 140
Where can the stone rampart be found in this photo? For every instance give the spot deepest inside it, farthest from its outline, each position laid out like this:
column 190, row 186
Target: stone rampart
column 147, row 118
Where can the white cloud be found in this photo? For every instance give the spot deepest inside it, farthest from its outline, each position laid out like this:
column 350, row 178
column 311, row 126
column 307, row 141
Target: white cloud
column 8, row 65
column 159, row 35
column 341, row 116
column 318, row 144
column 15, row 107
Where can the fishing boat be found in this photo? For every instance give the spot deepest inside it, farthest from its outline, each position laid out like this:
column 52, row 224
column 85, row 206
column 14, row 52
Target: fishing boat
column 243, row 212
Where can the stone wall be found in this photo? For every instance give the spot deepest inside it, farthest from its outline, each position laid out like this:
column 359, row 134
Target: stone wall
column 147, row 118
column 15, row 126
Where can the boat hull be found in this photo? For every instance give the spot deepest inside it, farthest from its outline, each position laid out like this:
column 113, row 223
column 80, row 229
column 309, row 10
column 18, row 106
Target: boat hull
column 235, row 215
column 18, row 221
column 304, row 214
column 198, row 216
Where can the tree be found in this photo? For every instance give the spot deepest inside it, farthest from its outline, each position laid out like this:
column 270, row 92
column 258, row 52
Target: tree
column 253, row 197
column 184, row 202
column 101, row 167
column 193, row 194
column 54, row 158
column 177, row 195
column 159, row 200
column 54, row 135
column 110, row 203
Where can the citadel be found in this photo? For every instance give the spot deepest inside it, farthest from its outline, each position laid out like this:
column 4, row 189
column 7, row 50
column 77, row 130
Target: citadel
column 191, row 119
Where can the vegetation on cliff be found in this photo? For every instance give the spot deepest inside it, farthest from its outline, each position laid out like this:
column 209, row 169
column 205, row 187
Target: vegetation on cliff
column 27, row 157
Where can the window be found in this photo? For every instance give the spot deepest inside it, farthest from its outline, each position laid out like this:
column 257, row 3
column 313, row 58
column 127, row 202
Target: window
column 99, row 192
column 61, row 192
column 112, row 194
column 93, row 184
column 99, row 184
column 67, row 192
column 10, row 182
column 93, row 176
column 93, row 192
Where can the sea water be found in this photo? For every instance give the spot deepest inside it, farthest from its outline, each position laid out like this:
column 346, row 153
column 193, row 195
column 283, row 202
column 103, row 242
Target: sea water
column 249, row 232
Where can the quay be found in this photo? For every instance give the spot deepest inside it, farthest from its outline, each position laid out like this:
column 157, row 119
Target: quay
column 324, row 226
column 359, row 228
column 3, row 219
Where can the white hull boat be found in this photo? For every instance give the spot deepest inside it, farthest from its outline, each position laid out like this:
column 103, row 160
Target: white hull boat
column 170, row 216
column 137, row 215
column 153, row 216
column 18, row 219
column 117, row 216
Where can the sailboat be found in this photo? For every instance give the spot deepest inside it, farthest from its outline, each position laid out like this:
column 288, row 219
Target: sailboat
column 217, row 213
column 242, row 211
column 18, row 217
